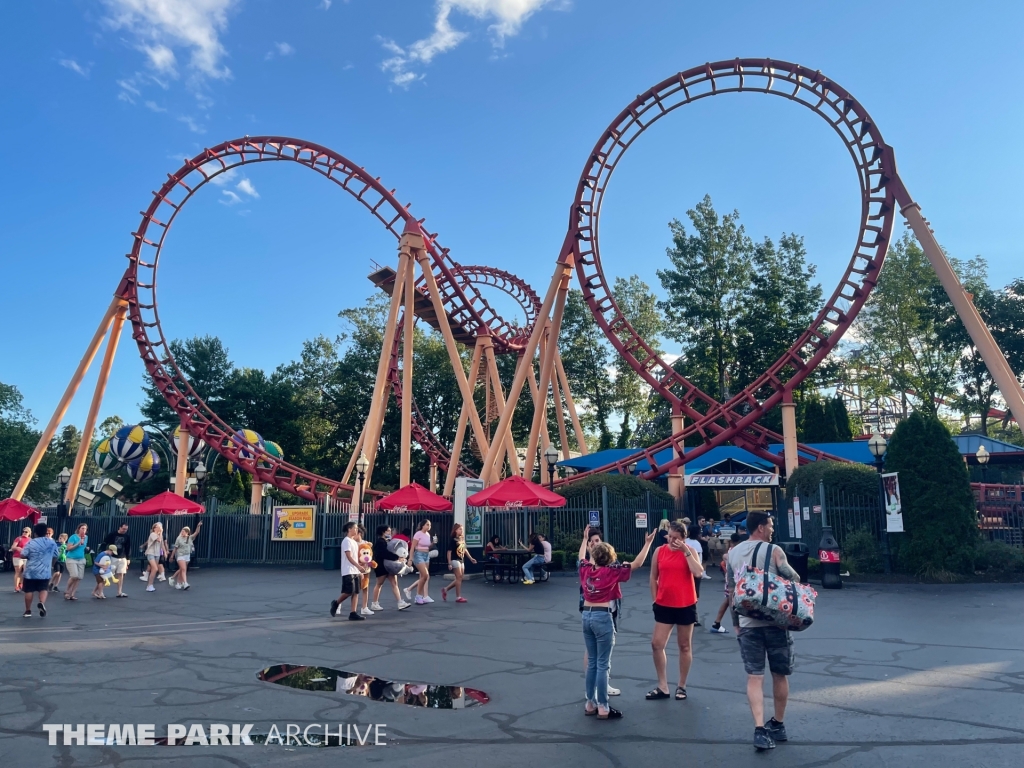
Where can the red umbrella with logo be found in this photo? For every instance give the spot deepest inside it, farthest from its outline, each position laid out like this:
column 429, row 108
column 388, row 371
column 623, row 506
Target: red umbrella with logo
column 516, row 491
column 167, row 503
column 14, row 510
column 414, row 498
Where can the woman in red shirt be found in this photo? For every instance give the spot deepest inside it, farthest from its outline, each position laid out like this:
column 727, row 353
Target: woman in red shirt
column 600, row 578
column 19, row 562
column 673, row 570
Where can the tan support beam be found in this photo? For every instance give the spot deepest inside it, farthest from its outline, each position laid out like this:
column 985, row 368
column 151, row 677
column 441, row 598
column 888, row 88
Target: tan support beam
column 433, row 477
column 540, row 415
column 677, row 476
column 789, row 442
column 467, row 407
column 65, row 401
column 499, row 396
column 581, row 440
column 563, row 433
column 405, row 468
column 355, row 456
column 994, row 359
column 379, row 399
column 256, row 500
column 563, row 268
column 94, row 408
column 449, row 341
column 181, row 473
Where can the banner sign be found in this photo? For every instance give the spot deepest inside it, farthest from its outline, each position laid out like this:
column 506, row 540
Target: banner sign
column 793, row 515
column 893, row 505
column 469, row 517
column 641, row 520
column 759, row 480
column 828, row 556
column 293, row 524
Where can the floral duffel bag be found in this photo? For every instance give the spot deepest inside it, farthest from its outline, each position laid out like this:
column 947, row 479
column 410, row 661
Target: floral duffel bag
column 767, row 596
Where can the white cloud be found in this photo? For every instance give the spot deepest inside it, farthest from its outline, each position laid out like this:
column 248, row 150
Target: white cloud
column 154, row 107
column 74, row 66
column 160, row 26
column 325, row 4
column 245, row 186
column 192, row 124
column 279, row 49
column 508, row 15
column 230, row 198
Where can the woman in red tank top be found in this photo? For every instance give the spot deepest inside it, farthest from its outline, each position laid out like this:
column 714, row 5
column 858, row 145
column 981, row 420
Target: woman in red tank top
column 673, row 570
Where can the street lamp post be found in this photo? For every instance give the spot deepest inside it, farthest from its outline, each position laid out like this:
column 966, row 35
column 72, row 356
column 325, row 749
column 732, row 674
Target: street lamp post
column 64, row 477
column 631, row 468
column 200, row 473
column 983, row 456
column 551, row 455
column 878, row 446
column 362, row 464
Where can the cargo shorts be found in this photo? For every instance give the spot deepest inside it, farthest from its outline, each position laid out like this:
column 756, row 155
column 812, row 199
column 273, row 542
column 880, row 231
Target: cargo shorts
column 773, row 643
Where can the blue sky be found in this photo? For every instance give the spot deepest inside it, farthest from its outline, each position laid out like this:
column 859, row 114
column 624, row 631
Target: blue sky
column 480, row 112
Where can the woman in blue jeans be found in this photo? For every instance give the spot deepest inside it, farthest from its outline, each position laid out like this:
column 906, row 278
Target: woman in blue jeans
column 537, row 544
column 600, row 578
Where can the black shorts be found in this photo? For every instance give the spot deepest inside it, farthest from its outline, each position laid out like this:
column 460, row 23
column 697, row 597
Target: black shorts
column 351, row 584
column 775, row 643
column 380, row 570
column 35, row 585
column 678, row 616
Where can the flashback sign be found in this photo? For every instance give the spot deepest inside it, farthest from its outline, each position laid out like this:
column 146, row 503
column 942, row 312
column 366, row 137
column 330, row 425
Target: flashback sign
column 759, row 479
column 293, row 524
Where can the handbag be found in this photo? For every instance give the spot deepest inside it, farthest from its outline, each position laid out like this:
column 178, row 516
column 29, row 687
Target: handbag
column 761, row 594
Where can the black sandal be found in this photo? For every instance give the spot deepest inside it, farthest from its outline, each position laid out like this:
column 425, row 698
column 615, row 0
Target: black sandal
column 680, row 693
column 657, row 693
column 613, row 714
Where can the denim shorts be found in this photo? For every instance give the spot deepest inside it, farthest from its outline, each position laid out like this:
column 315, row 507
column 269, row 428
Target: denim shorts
column 775, row 643
column 420, row 557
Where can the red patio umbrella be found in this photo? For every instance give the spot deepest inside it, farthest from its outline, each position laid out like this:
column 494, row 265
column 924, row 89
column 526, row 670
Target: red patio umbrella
column 414, row 498
column 516, row 491
column 167, row 503
column 14, row 510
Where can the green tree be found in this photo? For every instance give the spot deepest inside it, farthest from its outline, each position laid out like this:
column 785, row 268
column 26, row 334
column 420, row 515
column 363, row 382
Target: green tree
column 204, row 361
column 841, row 418
column 587, row 361
column 940, row 517
column 819, row 422
column 18, row 437
column 705, row 287
column 639, row 306
column 904, row 350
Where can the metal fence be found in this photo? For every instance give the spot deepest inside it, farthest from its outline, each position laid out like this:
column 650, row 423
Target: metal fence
column 847, row 514
column 1000, row 512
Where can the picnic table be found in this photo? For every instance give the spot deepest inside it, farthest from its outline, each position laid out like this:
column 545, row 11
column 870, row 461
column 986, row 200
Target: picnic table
column 509, row 566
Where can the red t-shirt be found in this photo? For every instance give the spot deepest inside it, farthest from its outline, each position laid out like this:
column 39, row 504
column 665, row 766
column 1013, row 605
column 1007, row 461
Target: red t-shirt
column 675, row 579
column 19, row 544
column 600, row 584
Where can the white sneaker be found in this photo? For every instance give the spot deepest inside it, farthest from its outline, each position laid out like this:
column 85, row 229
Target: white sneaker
column 402, row 605
column 177, row 586
column 376, row 606
column 705, row 577
column 161, row 578
column 143, row 577
column 613, row 691
column 408, row 593
column 428, row 599
column 151, row 588
column 366, row 612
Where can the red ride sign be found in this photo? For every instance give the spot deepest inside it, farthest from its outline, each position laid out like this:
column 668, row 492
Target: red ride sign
column 827, row 556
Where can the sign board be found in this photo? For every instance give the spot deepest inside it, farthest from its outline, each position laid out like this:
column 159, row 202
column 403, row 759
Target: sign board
column 471, row 519
column 807, row 514
column 893, row 503
column 293, row 524
column 798, row 532
column 793, row 515
column 42, row 519
column 641, row 520
column 759, row 479
column 595, row 518
column 828, row 556
column 817, row 509
column 353, row 515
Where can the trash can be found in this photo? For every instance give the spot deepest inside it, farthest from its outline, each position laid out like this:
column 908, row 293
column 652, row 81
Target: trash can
column 797, row 553
column 332, row 554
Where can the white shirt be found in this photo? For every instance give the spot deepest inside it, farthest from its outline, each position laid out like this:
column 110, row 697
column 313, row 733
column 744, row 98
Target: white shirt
column 350, row 545
column 547, row 550
column 695, row 546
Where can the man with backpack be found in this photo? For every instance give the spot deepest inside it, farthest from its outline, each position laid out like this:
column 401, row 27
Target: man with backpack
column 761, row 639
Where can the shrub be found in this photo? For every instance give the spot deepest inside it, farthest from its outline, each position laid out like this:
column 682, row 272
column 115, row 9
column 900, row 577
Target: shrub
column 557, row 560
column 998, row 556
column 623, row 486
column 939, row 513
column 841, row 476
column 862, row 553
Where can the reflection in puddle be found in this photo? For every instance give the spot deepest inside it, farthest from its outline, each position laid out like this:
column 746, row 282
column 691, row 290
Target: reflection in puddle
column 355, row 684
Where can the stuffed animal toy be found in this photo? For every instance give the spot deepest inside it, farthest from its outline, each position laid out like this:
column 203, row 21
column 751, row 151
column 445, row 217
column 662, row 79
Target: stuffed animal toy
column 365, row 558
column 400, row 548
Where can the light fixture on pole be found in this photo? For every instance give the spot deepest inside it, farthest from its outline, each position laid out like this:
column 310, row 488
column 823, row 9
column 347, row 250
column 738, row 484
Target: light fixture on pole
column 362, row 464
column 200, row 473
column 631, row 467
column 551, row 455
column 64, row 477
column 878, row 446
column 982, row 457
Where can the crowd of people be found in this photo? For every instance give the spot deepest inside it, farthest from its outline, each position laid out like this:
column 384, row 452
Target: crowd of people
column 41, row 562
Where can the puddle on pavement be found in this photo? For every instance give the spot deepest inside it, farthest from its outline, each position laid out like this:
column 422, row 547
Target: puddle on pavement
column 374, row 688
